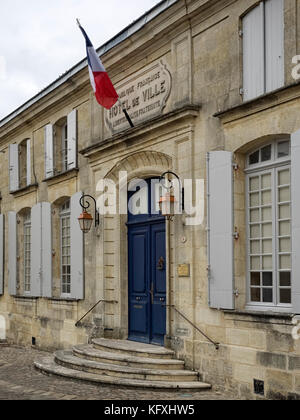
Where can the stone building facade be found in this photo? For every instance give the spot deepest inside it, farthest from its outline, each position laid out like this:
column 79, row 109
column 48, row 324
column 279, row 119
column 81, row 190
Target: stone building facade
column 210, row 90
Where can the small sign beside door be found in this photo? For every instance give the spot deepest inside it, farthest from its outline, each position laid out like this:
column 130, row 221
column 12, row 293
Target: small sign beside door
column 183, row 270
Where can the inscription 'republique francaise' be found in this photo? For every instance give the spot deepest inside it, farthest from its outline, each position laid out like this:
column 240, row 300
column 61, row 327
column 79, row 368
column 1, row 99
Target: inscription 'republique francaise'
column 144, row 96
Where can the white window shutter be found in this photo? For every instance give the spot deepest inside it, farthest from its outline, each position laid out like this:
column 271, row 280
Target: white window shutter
column 28, row 161
column 1, row 254
column 12, row 253
column 36, row 251
column 72, row 139
column 49, row 151
column 274, row 30
column 77, row 250
column 253, row 53
column 295, row 176
column 46, row 250
column 13, row 167
column 220, row 229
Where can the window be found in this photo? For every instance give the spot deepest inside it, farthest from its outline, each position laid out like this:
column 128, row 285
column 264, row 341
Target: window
column 20, row 165
column 65, row 236
column 269, row 224
column 27, row 252
column 263, row 48
column 61, row 145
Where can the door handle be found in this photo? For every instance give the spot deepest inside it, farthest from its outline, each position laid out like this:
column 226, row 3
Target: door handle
column 161, row 264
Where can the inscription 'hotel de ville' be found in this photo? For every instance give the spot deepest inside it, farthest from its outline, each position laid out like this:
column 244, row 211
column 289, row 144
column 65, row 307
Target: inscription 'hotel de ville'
column 144, row 95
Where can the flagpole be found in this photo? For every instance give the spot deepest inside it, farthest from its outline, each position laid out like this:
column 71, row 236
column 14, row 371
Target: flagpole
column 126, row 114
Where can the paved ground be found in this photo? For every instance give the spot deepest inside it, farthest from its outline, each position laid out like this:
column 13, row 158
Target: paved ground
column 19, row 380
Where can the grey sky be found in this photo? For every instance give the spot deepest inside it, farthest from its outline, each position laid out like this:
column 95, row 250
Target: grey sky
column 39, row 40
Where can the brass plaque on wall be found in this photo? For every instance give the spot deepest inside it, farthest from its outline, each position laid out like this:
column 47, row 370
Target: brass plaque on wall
column 183, row 270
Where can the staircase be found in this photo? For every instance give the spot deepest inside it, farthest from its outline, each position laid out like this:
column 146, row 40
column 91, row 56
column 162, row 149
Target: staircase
column 122, row 363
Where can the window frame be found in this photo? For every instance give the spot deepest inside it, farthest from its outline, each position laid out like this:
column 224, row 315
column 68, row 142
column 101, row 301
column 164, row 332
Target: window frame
column 272, row 166
column 27, row 224
column 64, row 213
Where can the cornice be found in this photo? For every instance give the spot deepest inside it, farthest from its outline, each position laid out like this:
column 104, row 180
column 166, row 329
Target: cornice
column 187, row 112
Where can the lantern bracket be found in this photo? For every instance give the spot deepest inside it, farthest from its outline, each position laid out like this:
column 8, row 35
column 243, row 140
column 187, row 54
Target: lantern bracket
column 85, row 204
column 170, row 187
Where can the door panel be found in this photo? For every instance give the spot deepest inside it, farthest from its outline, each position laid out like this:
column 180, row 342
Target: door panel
column 138, row 251
column 158, row 278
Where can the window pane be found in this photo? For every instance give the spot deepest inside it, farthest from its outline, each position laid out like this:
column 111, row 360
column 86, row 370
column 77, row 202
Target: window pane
column 254, row 215
column 284, row 228
column 255, row 231
column 284, row 245
column 255, row 294
column 284, row 177
column 266, row 153
column 267, row 246
column 254, row 199
column 268, row 295
column 284, row 194
column 285, row 211
column 267, row 262
column 266, row 214
column 285, row 296
column 255, row 247
column 255, row 263
column 283, row 149
column 266, row 197
column 285, row 262
column 254, row 158
column 254, row 183
column 267, row 279
column 285, row 279
column 255, row 279
column 267, row 230
column 266, row 181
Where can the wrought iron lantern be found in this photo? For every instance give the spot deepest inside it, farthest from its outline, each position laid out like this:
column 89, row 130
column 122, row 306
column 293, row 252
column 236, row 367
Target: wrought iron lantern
column 86, row 219
column 168, row 202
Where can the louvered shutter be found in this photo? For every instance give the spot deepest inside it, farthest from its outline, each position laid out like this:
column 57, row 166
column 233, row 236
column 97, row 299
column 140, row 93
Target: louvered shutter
column 72, row 139
column 46, row 250
column 1, row 254
column 49, row 151
column 12, row 253
column 77, row 265
column 220, row 230
column 295, row 192
column 274, row 30
column 28, row 162
column 253, row 53
column 36, row 251
column 13, row 167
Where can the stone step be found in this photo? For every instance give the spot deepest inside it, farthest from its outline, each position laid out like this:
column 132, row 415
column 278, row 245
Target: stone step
column 133, row 348
column 48, row 366
column 3, row 343
column 68, row 360
column 90, row 353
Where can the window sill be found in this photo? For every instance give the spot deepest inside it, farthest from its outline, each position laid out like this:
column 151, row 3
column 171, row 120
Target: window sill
column 261, row 316
column 25, row 190
column 265, row 101
column 62, row 176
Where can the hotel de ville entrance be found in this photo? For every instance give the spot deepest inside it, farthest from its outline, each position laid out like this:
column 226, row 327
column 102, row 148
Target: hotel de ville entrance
column 146, row 266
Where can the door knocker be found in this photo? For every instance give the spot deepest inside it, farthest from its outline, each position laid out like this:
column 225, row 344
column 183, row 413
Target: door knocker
column 161, row 264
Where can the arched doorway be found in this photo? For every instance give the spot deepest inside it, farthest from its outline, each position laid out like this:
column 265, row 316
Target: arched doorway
column 146, row 264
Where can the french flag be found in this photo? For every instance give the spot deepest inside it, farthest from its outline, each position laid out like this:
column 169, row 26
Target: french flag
column 104, row 90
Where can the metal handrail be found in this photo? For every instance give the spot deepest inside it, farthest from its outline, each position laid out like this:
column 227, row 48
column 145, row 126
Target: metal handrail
column 217, row 345
column 100, row 301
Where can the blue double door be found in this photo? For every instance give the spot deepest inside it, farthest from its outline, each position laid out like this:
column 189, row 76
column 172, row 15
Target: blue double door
column 147, row 282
